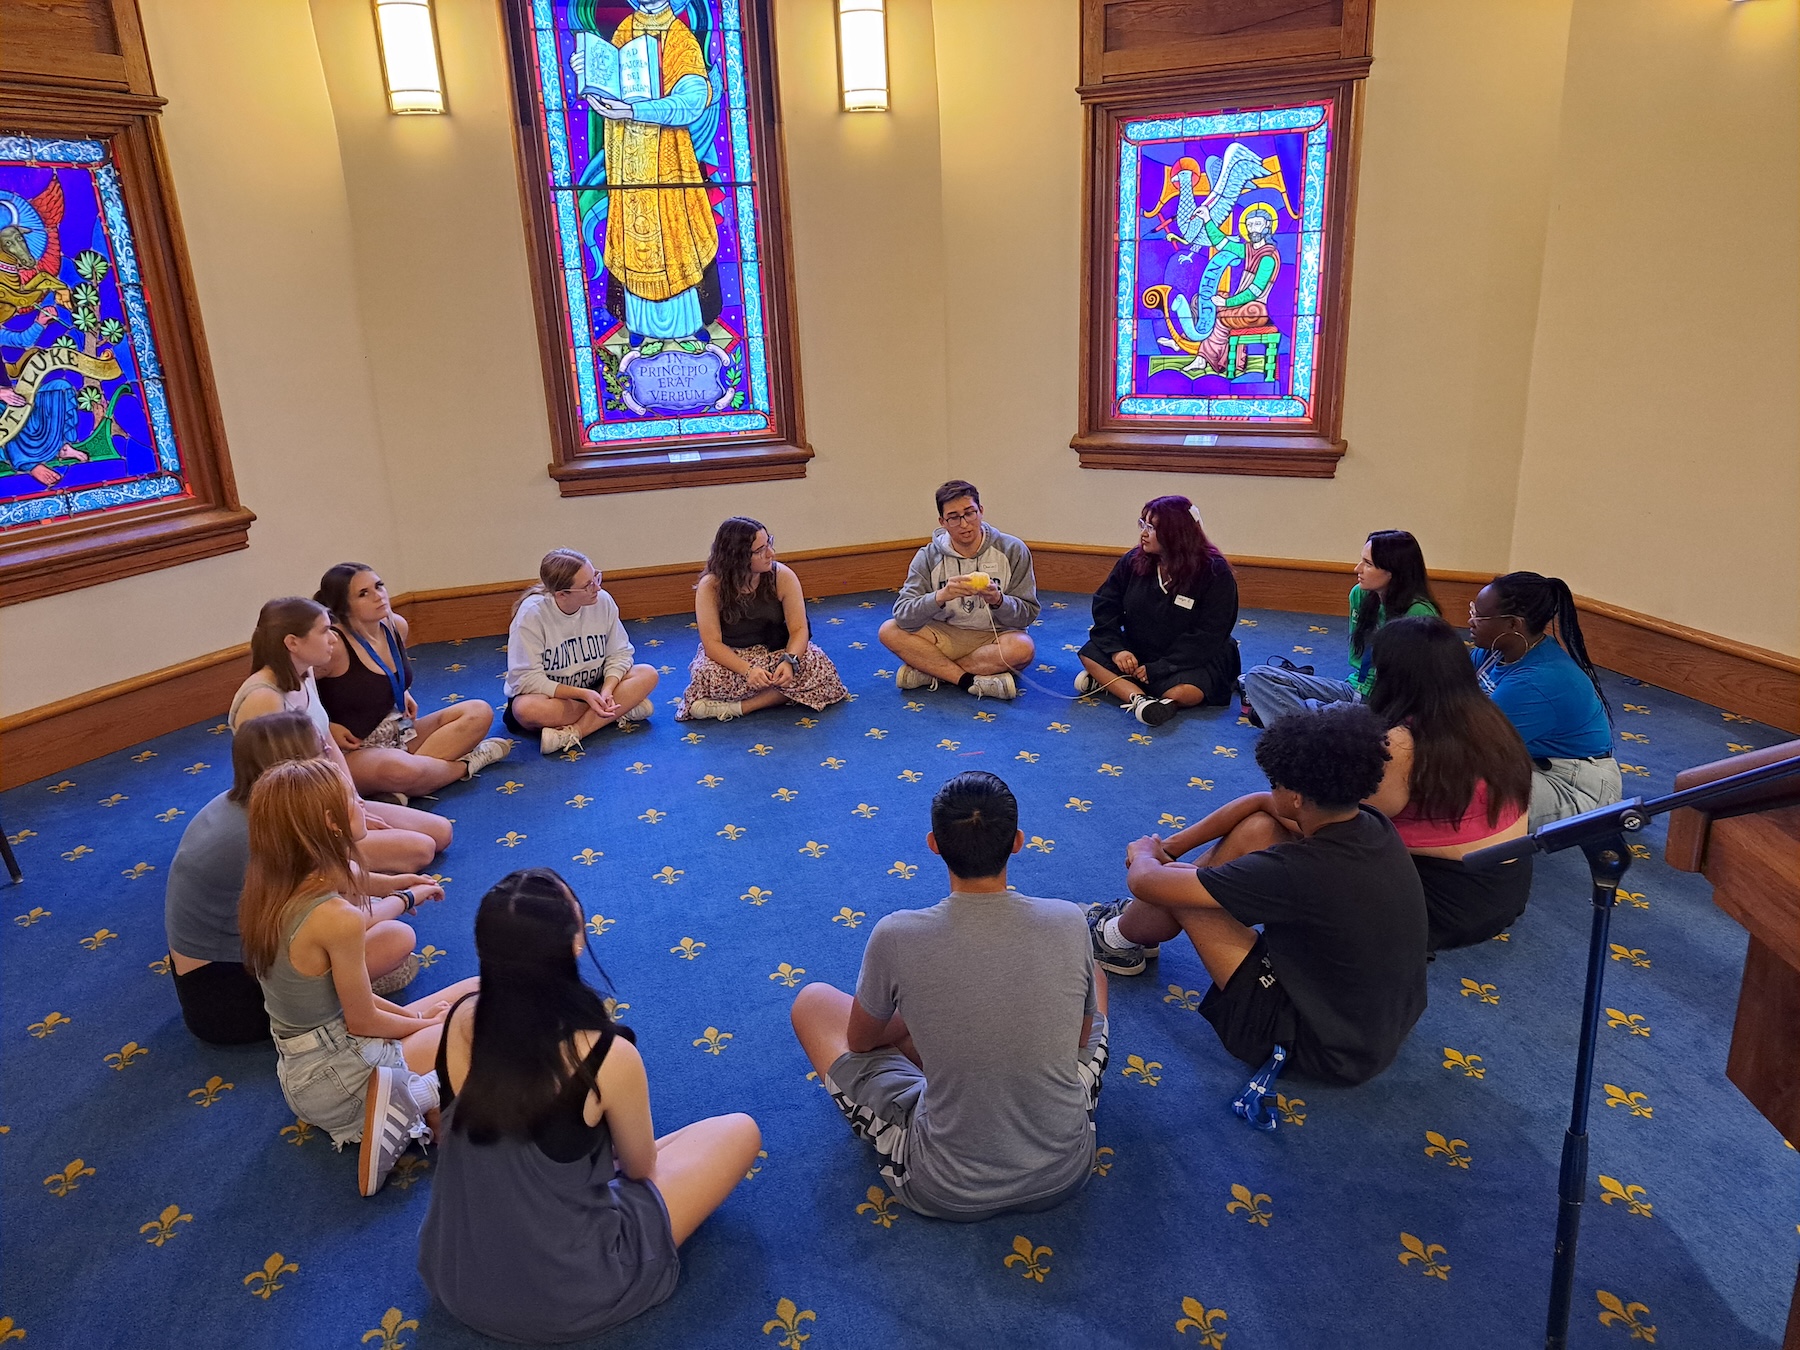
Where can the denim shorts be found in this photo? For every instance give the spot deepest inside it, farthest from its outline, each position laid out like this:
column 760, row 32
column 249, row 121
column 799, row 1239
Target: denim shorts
column 324, row 1075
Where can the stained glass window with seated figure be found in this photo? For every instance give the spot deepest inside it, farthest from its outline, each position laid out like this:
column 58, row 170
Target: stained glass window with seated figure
column 1219, row 179
column 659, row 240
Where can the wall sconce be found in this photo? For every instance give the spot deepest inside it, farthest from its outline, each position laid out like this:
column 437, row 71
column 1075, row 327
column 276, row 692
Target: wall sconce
column 862, row 55
column 409, row 56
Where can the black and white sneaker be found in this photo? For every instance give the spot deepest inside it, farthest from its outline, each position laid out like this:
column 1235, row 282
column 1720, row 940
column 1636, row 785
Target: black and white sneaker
column 1116, row 958
column 1153, row 712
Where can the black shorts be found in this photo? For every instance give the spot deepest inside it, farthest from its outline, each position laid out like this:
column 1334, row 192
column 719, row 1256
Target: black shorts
column 222, row 1004
column 513, row 724
column 1252, row 1013
column 1467, row 905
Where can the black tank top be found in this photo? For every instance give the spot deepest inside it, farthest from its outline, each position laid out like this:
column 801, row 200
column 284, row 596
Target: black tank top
column 762, row 624
column 358, row 699
column 563, row 1135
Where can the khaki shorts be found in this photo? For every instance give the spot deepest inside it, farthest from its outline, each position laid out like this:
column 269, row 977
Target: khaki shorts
column 956, row 644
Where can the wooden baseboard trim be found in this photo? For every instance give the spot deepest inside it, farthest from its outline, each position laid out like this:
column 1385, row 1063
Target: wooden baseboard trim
column 52, row 739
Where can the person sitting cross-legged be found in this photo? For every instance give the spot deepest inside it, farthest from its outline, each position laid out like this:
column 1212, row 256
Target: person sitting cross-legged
column 969, row 597
column 1337, row 976
column 755, row 648
column 569, row 668
column 1163, row 619
column 1000, row 1117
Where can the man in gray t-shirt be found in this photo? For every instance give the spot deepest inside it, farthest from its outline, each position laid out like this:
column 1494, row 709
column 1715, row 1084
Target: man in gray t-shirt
column 972, row 1053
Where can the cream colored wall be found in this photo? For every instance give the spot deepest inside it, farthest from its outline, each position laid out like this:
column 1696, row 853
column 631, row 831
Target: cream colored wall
column 446, row 303
column 366, row 299
column 1662, row 447
column 255, row 159
column 1459, row 127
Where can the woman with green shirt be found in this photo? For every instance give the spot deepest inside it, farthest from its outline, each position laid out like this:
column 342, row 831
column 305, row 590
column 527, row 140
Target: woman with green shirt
column 1390, row 583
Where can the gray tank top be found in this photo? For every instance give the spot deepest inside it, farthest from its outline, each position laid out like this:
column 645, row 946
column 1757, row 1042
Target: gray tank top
column 297, row 1003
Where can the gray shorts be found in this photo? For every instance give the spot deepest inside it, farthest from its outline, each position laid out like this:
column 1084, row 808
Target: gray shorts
column 1561, row 788
column 324, row 1074
column 878, row 1091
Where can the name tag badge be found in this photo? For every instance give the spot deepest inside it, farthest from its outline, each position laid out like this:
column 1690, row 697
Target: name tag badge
column 1184, row 602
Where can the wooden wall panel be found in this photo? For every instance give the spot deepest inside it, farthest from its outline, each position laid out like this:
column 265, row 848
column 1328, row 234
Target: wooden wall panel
column 1731, row 675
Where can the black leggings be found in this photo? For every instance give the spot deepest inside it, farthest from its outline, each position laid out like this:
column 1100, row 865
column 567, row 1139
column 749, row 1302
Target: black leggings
column 222, row 1004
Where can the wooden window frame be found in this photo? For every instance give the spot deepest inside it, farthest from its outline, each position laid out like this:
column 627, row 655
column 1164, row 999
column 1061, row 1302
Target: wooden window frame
column 82, row 71
column 1159, row 58
column 578, row 468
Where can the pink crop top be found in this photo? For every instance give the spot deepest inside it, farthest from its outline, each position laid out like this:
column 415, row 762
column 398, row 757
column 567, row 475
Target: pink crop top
column 1416, row 831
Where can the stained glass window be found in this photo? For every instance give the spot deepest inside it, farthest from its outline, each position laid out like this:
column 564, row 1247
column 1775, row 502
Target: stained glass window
column 1213, row 272
column 84, row 422
column 1220, row 254
column 649, row 139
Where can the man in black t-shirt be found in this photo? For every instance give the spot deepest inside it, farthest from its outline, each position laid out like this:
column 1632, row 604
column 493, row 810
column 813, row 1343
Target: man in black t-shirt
column 1338, row 974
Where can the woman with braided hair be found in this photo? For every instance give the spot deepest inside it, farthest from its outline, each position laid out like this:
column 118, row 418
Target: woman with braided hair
column 1547, row 685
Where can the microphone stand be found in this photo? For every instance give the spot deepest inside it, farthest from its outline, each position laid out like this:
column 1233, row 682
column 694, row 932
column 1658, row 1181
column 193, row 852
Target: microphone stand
column 1600, row 835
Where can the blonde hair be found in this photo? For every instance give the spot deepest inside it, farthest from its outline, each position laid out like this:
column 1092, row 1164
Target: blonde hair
column 557, row 572
column 300, row 845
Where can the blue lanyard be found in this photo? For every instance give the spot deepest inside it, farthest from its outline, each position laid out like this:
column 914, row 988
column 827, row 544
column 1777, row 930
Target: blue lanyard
column 397, row 676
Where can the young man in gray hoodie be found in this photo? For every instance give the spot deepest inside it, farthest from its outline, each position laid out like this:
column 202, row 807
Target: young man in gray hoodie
column 969, row 596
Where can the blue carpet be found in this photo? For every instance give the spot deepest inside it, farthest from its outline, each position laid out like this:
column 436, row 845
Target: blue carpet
column 158, row 1192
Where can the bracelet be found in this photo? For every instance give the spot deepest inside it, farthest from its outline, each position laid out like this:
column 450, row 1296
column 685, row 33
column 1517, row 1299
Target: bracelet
column 792, row 660
column 409, row 901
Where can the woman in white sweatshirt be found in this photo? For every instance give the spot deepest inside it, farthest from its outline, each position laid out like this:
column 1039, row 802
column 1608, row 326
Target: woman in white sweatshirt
column 569, row 670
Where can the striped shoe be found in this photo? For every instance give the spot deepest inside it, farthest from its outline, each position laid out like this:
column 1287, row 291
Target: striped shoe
column 389, row 1118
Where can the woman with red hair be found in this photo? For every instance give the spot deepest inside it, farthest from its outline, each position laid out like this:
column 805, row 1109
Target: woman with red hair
column 1163, row 620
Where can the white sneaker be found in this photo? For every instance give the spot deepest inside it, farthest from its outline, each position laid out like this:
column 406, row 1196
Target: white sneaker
column 908, row 678
column 1086, row 683
column 641, row 713
column 390, row 1119
column 555, row 740
column 490, row 751
column 994, row 686
column 715, row 709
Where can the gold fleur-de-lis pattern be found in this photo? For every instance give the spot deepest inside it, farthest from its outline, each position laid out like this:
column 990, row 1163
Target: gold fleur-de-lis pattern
column 162, row 1228
column 1428, row 1255
column 616, row 822
column 1033, row 1261
column 1256, row 1207
column 788, row 1320
column 264, row 1282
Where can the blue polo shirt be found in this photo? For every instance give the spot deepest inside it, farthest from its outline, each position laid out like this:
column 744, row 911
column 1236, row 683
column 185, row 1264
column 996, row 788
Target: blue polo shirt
column 1550, row 700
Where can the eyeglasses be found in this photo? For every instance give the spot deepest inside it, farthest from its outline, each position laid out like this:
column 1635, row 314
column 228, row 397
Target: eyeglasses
column 766, row 551
column 1488, row 618
column 591, row 585
column 968, row 517
column 1144, row 525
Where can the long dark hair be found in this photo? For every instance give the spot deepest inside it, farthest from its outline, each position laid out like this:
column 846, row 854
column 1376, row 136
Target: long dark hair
column 729, row 566
column 1186, row 551
column 1397, row 553
column 1539, row 601
column 290, row 616
column 533, row 1001
column 334, row 589
column 1424, row 678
